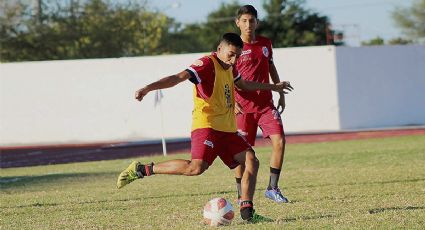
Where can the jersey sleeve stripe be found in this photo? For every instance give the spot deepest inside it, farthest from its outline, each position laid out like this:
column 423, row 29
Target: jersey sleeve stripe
column 237, row 78
column 195, row 79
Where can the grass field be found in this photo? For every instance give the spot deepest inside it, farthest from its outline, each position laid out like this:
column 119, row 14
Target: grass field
column 374, row 183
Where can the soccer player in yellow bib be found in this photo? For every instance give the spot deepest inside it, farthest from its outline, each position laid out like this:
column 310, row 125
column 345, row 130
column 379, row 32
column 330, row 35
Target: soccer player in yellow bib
column 214, row 132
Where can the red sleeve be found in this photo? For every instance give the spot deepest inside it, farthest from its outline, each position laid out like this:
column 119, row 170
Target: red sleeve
column 203, row 76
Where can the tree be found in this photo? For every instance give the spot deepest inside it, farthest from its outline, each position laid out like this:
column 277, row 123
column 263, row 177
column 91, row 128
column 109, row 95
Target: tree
column 74, row 29
column 378, row 41
column 219, row 22
column 183, row 41
column 11, row 29
column 204, row 36
column 374, row 42
column 412, row 20
column 288, row 24
column 399, row 41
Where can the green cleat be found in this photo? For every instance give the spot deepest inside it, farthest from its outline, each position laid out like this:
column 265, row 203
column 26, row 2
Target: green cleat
column 129, row 175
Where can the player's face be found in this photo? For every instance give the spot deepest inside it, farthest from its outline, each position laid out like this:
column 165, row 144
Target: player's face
column 228, row 54
column 247, row 23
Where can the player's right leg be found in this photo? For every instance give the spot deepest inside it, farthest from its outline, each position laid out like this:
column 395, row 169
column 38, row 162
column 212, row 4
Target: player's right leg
column 203, row 154
column 134, row 171
column 193, row 167
column 137, row 170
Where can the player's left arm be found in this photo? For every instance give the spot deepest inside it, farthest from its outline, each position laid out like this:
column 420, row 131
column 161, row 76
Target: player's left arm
column 274, row 75
column 163, row 83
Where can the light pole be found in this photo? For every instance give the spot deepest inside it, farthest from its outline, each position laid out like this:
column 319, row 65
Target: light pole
column 37, row 7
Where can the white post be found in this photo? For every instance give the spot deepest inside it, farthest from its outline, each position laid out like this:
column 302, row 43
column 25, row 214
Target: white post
column 164, row 145
column 158, row 98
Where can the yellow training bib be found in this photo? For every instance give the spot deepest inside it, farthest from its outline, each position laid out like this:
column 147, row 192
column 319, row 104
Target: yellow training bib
column 217, row 111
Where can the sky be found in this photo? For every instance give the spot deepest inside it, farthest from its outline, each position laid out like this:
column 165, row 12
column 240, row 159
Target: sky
column 360, row 20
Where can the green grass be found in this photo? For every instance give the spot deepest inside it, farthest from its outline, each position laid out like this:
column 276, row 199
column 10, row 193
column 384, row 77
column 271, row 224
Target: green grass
column 374, row 183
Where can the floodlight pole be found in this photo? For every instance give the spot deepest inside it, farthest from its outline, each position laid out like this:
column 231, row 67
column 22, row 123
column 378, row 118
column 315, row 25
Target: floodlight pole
column 329, row 36
column 38, row 8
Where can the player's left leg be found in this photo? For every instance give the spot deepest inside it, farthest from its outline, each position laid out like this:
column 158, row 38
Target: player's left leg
column 271, row 125
column 276, row 160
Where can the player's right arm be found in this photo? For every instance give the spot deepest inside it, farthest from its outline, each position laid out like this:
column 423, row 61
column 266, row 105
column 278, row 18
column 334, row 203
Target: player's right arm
column 166, row 82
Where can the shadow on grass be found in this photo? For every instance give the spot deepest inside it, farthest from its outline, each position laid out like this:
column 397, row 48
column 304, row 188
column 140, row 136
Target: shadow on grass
column 115, row 200
column 261, row 219
column 407, row 208
column 54, row 178
column 256, row 220
column 362, row 183
column 17, row 182
column 302, row 218
column 217, row 193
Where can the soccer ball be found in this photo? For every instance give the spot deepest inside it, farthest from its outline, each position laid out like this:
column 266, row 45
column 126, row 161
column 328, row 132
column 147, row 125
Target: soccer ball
column 218, row 211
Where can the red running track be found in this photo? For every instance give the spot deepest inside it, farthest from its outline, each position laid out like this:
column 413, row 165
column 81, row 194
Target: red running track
column 56, row 154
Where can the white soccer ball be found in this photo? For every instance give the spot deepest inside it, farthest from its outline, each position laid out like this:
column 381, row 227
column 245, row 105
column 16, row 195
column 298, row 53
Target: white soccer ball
column 218, row 211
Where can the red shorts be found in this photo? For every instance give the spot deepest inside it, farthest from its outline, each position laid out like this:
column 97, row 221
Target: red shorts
column 268, row 120
column 208, row 143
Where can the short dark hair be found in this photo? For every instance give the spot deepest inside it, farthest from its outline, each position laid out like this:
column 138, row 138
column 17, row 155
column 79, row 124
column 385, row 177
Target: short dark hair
column 247, row 9
column 232, row 39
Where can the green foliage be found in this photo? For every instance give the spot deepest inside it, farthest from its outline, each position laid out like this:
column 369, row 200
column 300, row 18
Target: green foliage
column 220, row 22
column 73, row 30
column 378, row 41
column 400, row 41
column 412, row 20
column 205, row 36
column 78, row 29
column 288, row 24
column 374, row 42
column 360, row 184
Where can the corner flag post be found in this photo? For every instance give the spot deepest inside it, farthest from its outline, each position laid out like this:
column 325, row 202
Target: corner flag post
column 158, row 98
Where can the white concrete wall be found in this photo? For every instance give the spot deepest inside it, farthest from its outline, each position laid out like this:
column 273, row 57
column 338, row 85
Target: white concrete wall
column 90, row 101
column 313, row 105
column 84, row 101
column 382, row 86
